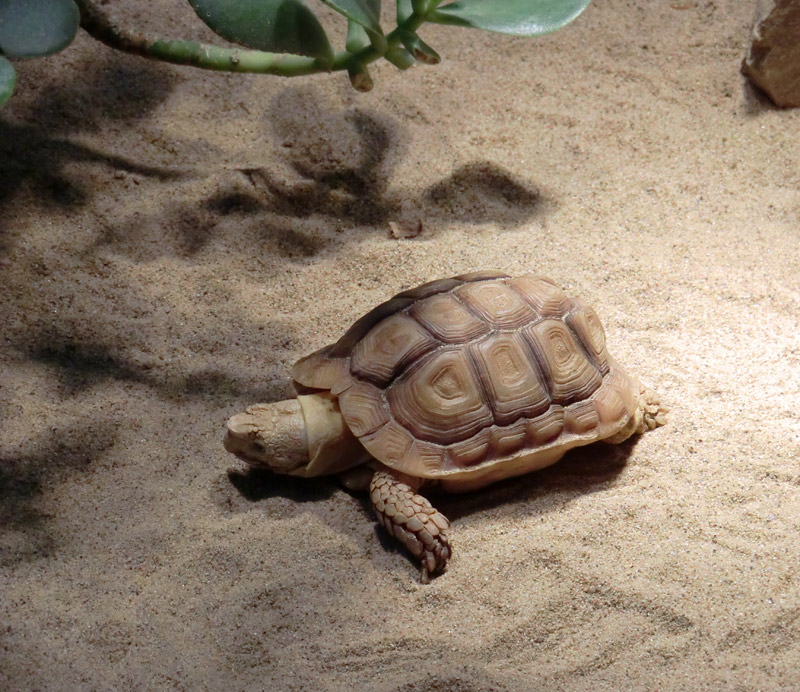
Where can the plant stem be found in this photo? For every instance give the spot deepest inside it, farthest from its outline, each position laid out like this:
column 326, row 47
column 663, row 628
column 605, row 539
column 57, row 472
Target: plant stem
column 209, row 57
column 393, row 39
column 181, row 52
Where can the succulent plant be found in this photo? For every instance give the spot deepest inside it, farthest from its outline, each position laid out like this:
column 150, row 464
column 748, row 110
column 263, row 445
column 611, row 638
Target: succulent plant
column 278, row 37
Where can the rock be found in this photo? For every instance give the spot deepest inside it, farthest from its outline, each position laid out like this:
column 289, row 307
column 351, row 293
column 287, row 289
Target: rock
column 773, row 60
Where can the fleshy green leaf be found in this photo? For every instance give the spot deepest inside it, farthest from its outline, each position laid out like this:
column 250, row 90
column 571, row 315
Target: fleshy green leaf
column 357, row 37
column 277, row 26
column 400, row 58
column 516, row 17
column 8, row 78
column 419, row 49
column 421, row 6
column 404, row 10
column 364, row 12
column 32, row 28
column 359, row 76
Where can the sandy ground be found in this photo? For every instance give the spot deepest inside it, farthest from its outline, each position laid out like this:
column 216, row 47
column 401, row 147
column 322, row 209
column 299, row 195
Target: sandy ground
column 172, row 240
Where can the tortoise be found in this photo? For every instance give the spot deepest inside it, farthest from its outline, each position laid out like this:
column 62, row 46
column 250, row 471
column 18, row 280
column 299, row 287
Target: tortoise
column 457, row 383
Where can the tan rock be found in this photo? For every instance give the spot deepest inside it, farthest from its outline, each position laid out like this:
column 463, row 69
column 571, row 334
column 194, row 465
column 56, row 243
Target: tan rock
column 773, row 60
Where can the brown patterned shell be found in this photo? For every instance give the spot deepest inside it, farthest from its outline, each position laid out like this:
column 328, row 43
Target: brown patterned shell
column 474, row 371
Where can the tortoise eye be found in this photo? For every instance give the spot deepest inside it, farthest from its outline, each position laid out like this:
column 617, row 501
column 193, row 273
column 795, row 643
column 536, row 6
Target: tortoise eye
column 259, row 446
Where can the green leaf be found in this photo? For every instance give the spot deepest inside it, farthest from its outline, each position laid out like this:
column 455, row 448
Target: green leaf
column 8, row 78
column 421, row 6
column 276, row 26
column 404, row 10
column 516, row 17
column 359, row 76
column 364, row 12
column 357, row 37
column 400, row 58
column 419, row 49
column 32, row 28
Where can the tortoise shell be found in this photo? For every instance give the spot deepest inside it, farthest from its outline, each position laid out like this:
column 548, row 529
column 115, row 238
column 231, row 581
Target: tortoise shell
column 475, row 373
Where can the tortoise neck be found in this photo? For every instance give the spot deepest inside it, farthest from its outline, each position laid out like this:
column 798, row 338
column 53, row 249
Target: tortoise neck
column 332, row 447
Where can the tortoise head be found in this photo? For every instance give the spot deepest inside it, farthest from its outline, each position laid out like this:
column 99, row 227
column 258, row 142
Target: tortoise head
column 269, row 436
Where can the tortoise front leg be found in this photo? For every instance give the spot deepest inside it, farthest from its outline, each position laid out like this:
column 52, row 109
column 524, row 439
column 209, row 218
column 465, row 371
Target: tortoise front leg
column 412, row 520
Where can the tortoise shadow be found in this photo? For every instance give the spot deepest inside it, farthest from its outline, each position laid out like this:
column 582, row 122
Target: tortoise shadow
column 255, row 485
column 279, row 497
column 591, row 468
column 588, row 469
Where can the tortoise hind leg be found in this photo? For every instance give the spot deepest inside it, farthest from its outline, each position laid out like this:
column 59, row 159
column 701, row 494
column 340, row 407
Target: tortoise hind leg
column 412, row 520
column 650, row 413
column 653, row 412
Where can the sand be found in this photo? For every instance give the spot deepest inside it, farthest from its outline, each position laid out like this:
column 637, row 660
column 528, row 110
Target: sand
column 172, row 240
